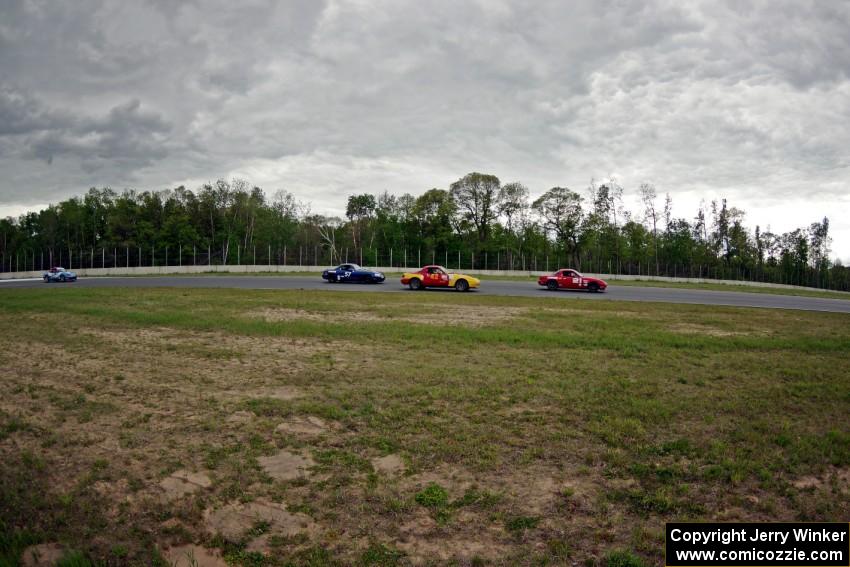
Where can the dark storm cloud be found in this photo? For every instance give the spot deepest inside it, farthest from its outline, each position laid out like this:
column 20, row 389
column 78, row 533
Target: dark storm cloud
column 746, row 100
column 126, row 135
column 21, row 114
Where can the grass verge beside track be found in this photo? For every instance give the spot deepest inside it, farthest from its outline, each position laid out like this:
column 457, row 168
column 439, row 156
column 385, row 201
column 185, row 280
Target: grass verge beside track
column 393, row 277
column 801, row 292
column 329, row 428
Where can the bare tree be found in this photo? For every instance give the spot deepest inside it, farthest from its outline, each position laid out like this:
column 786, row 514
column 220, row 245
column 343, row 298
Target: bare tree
column 327, row 228
column 819, row 242
column 648, row 196
column 700, row 226
column 668, row 212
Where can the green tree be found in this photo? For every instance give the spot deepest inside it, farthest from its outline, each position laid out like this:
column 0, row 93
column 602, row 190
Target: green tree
column 561, row 212
column 477, row 199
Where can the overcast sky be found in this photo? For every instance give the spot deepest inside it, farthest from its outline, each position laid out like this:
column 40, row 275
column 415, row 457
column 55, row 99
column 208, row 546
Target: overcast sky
column 744, row 100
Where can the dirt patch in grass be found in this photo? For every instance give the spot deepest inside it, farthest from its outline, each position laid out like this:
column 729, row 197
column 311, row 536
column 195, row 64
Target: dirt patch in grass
column 428, row 314
column 241, row 417
column 310, row 425
column 697, row 329
column 389, row 465
column 839, row 477
column 229, row 366
column 469, row 315
column 286, row 466
column 193, row 556
column 181, row 483
column 524, row 500
column 42, row 555
column 235, row 520
column 283, row 393
column 221, row 348
column 624, row 313
column 424, row 540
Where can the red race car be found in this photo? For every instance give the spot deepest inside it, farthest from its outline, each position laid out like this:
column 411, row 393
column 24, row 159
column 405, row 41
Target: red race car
column 566, row 278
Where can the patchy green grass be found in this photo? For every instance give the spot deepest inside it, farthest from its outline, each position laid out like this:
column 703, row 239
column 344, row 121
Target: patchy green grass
column 518, row 430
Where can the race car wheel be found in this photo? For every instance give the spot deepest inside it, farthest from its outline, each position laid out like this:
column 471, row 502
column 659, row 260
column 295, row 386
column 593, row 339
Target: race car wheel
column 46, row 279
column 62, row 278
column 415, row 284
column 552, row 285
column 462, row 285
column 593, row 287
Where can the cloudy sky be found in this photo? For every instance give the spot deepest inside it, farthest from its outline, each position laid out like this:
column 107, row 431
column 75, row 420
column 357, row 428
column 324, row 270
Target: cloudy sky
column 744, row 100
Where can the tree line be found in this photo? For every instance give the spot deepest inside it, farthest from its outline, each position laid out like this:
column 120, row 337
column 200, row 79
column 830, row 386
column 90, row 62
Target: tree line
column 477, row 222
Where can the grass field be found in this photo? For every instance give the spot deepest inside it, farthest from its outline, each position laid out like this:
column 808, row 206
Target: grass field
column 329, row 428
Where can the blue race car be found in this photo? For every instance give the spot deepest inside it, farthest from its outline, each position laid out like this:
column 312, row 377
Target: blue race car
column 352, row 273
column 59, row 274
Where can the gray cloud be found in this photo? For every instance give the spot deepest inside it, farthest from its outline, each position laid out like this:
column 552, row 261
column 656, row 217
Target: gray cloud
column 706, row 99
column 20, row 114
column 125, row 136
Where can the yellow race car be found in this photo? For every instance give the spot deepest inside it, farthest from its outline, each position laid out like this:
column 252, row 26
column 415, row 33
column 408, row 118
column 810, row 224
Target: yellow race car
column 438, row 276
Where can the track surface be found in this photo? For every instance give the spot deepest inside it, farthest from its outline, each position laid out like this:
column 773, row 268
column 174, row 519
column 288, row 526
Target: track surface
column 489, row 287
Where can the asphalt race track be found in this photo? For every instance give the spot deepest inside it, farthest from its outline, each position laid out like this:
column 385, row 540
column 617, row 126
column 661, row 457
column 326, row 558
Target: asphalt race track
column 488, row 287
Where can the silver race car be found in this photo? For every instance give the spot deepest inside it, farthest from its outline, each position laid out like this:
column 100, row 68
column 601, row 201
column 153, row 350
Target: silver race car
column 59, row 274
